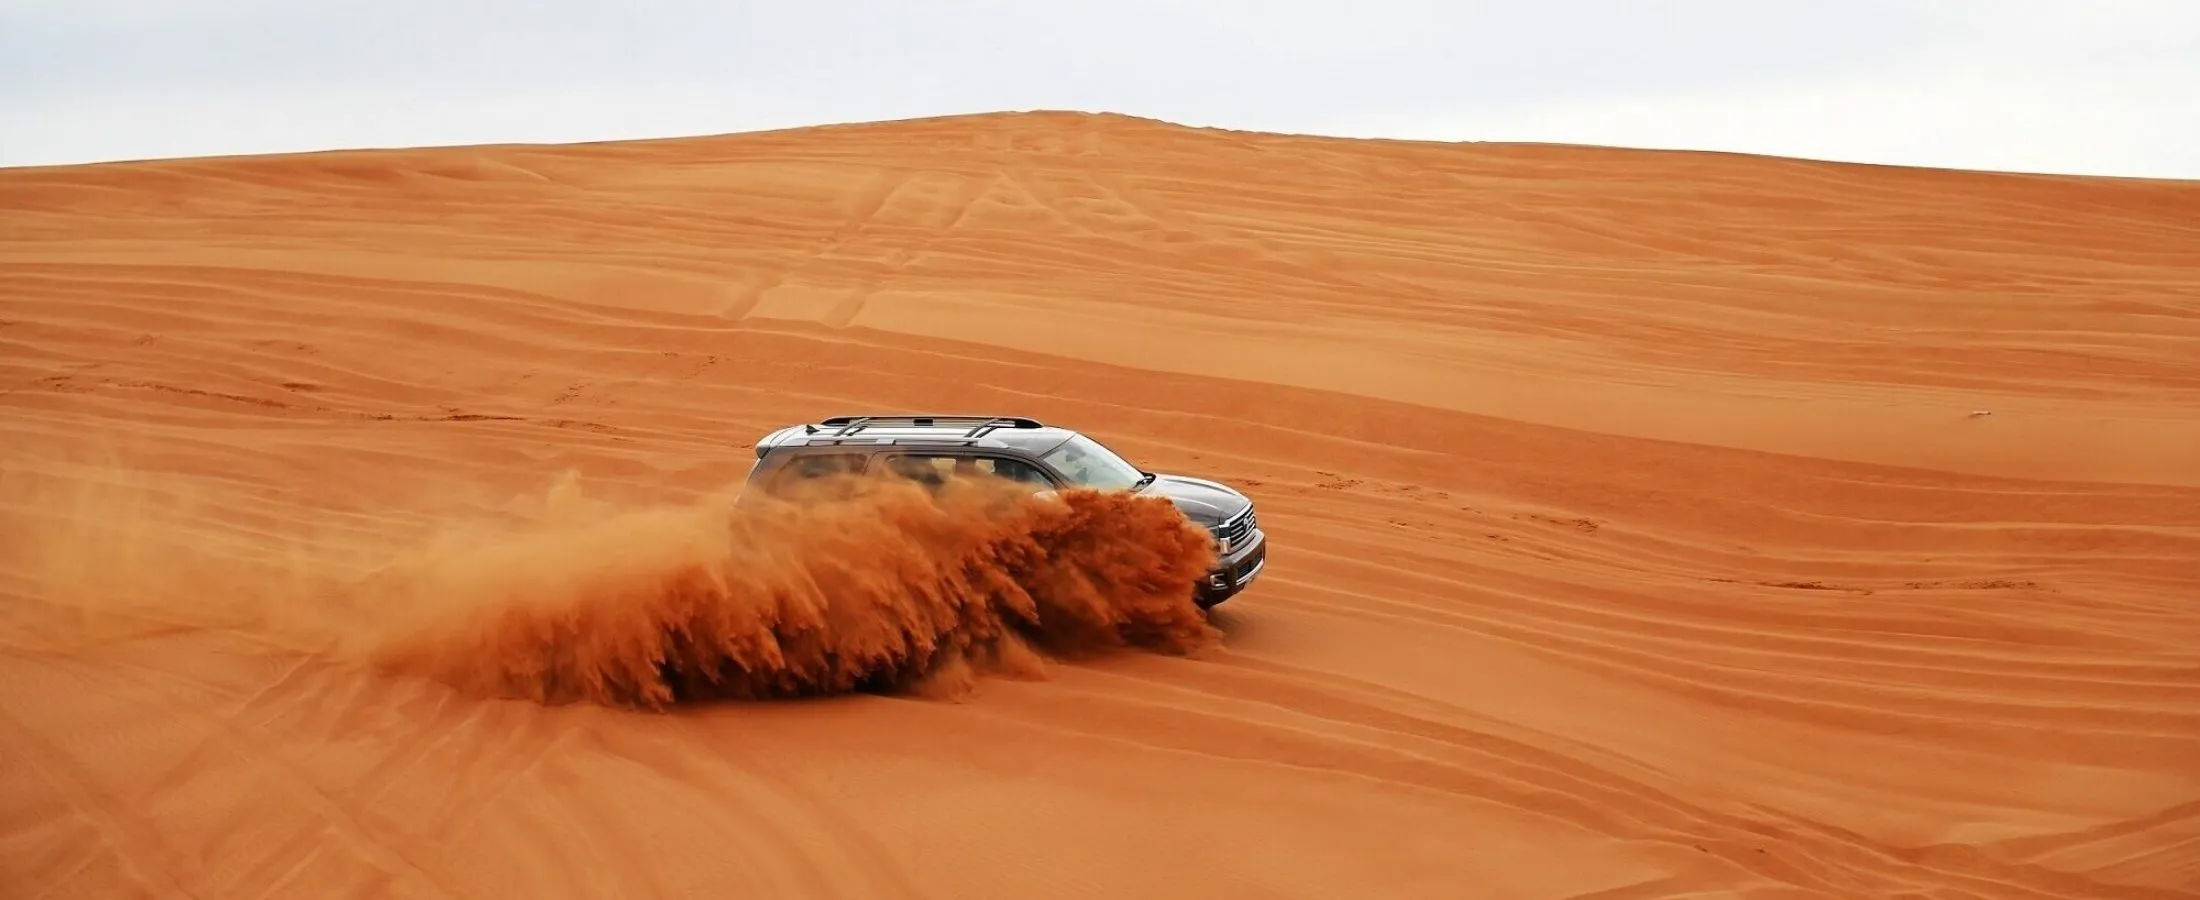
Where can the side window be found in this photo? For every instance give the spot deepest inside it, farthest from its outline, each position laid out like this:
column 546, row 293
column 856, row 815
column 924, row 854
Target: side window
column 1019, row 471
column 810, row 467
column 928, row 470
column 933, row 470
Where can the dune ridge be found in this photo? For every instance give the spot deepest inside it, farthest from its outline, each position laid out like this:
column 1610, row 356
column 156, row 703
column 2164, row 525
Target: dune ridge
column 1634, row 534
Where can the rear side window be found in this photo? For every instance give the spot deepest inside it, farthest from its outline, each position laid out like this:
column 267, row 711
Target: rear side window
column 812, row 466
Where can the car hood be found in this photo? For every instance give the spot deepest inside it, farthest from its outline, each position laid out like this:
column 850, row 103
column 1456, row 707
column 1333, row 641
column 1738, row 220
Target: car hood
column 1205, row 502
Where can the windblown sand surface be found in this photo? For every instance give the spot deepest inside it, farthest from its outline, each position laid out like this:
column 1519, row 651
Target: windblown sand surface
column 1633, row 532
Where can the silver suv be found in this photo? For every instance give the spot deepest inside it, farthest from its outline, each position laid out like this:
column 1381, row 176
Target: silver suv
column 928, row 448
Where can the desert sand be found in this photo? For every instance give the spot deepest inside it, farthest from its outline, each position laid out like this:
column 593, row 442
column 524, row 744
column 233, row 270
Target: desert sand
column 1644, row 524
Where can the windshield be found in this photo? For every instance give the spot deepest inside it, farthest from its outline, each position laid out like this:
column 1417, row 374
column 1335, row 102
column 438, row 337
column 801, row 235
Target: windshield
column 1087, row 463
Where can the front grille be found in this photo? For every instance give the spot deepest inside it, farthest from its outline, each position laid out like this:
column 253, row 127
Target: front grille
column 1237, row 529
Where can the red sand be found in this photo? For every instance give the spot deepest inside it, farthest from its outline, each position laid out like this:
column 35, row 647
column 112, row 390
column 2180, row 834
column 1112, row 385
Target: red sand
column 1634, row 534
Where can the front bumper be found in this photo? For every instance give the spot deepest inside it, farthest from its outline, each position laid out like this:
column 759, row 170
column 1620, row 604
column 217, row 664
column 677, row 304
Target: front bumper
column 1236, row 570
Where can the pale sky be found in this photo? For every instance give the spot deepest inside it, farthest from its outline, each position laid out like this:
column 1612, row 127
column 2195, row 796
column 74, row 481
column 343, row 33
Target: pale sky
column 2104, row 87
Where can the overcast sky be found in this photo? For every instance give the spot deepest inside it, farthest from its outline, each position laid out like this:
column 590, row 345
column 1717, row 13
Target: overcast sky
column 2084, row 86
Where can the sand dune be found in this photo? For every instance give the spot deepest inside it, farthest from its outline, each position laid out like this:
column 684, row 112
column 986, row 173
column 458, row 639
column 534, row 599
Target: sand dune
column 1634, row 533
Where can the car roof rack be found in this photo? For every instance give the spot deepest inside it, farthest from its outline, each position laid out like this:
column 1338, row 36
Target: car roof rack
column 979, row 425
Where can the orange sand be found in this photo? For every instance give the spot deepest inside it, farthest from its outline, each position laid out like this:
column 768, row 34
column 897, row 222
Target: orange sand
column 1633, row 532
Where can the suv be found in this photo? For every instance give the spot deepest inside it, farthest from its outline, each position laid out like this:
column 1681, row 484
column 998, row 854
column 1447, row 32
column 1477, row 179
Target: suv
column 1046, row 457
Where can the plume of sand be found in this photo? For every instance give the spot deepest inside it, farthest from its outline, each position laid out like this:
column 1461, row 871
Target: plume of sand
column 886, row 587
column 867, row 585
